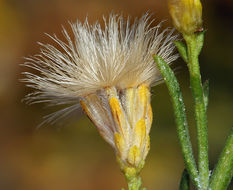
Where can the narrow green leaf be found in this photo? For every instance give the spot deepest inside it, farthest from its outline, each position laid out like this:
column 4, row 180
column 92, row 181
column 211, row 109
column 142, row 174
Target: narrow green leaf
column 180, row 117
column 182, row 49
column 223, row 171
column 184, row 183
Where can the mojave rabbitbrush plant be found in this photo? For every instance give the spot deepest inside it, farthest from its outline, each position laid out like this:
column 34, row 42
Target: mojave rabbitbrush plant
column 108, row 72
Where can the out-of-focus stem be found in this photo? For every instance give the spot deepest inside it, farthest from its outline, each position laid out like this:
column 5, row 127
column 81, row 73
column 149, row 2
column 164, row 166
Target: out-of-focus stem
column 184, row 183
column 223, row 171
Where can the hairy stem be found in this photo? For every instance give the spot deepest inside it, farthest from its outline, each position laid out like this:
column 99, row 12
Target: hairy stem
column 134, row 183
column 194, row 44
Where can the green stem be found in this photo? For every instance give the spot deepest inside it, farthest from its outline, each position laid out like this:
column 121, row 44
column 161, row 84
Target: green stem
column 180, row 117
column 194, row 45
column 132, row 176
column 223, row 172
column 134, row 183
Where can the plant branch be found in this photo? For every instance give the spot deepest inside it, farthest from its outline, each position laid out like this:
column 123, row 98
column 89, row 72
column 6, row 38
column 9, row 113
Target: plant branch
column 194, row 45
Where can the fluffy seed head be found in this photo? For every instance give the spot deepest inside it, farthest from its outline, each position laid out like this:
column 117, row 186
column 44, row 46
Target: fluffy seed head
column 109, row 71
column 118, row 55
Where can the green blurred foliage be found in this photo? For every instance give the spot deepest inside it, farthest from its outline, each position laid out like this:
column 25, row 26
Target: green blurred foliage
column 72, row 155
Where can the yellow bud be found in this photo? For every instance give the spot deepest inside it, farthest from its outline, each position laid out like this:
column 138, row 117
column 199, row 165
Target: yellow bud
column 186, row 15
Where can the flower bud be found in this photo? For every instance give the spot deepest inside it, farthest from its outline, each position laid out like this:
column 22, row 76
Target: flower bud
column 186, row 15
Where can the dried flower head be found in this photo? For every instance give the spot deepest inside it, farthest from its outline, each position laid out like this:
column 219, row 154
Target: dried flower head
column 109, row 72
column 186, row 15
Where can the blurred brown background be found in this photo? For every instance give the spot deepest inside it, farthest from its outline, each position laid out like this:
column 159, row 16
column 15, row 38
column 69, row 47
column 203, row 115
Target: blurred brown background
column 73, row 156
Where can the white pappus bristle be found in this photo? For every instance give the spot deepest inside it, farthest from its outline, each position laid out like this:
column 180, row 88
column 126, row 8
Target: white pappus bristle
column 119, row 55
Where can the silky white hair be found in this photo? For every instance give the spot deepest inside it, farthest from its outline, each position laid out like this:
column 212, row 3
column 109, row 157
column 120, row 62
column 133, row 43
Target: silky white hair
column 118, row 55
